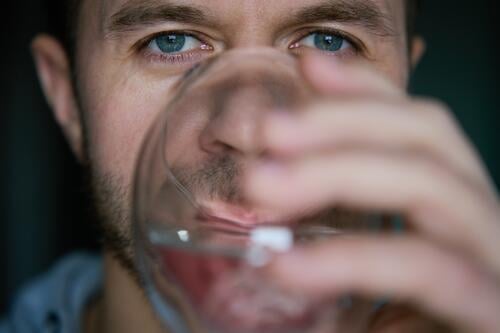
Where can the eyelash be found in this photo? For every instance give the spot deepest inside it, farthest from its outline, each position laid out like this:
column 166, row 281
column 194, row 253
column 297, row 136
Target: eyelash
column 357, row 44
column 174, row 58
column 194, row 55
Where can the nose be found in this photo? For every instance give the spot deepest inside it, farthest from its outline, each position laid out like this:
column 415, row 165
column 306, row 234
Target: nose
column 240, row 87
column 235, row 119
column 238, row 105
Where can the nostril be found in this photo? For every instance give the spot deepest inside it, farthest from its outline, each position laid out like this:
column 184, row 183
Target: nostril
column 211, row 143
column 224, row 136
column 221, row 147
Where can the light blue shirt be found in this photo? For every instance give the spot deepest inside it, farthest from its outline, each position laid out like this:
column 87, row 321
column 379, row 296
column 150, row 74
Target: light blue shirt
column 55, row 302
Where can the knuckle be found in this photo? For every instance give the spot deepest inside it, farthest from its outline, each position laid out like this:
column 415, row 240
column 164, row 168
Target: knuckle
column 429, row 172
column 437, row 112
column 441, row 121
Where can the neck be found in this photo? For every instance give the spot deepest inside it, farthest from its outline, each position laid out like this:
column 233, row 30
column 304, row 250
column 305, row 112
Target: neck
column 122, row 307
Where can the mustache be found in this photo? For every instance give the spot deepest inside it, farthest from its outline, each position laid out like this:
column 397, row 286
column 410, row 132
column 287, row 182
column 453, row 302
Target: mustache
column 217, row 179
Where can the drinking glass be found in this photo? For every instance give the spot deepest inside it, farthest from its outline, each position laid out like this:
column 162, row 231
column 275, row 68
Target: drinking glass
column 205, row 271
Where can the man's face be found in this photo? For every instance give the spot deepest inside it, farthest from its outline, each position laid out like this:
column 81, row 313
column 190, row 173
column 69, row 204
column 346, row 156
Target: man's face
column 130, row 54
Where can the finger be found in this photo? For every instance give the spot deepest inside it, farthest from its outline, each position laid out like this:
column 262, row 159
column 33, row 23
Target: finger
column 329, row 76
column 403, row 268
column 422, row 127
column 436, row 202
column 397, row 318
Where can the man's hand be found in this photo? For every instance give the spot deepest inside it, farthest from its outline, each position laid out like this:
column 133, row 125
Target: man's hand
column 368, row 146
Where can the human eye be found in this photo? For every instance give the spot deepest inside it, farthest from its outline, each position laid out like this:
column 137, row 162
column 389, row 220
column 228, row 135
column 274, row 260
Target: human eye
column 331, row 42
column 174, row 47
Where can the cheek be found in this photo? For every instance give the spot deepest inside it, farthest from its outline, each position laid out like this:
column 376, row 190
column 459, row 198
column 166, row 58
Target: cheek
column 184, row 126
column 117, row 122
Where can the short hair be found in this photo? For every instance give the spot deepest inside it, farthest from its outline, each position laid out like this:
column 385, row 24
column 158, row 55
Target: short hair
column 64, row 15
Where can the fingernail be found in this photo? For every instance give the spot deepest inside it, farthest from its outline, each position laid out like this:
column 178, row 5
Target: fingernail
column 283, row 131
column 262, row 177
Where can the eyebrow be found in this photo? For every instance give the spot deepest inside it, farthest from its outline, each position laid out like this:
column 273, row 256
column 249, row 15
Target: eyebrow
column 364, row 13
column 136, row 14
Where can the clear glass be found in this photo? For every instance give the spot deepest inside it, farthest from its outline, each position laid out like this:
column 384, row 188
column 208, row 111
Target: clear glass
column 203, row 270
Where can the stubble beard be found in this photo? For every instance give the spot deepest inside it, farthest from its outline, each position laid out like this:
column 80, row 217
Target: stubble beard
column 216, row 179
column 111, row 201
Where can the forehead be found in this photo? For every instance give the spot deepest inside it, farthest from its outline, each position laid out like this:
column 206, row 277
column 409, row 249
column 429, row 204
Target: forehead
column 242, row 4
column 242, row 11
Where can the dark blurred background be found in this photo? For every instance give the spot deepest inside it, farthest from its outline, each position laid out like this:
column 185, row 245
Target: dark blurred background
column 44, row 213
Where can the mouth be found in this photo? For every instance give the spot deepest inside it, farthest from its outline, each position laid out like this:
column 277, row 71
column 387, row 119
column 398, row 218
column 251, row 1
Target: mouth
column 238, row 218
column 242, row 221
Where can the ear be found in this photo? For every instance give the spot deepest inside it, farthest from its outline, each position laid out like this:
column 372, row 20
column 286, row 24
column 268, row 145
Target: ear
column 54, row 73
column 418, row 48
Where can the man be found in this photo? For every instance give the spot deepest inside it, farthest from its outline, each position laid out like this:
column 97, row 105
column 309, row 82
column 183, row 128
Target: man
column 364, row 145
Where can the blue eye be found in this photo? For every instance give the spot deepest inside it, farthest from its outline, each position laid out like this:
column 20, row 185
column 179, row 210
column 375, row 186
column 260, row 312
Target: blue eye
column 325, row 41
column 172, row 43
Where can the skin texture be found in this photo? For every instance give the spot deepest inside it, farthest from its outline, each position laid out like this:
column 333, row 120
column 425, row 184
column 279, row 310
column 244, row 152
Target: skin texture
column 363, row 137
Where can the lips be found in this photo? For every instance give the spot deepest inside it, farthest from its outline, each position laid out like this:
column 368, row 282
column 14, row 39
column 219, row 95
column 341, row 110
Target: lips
column 224, row 214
